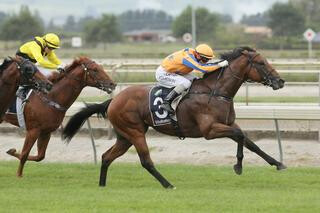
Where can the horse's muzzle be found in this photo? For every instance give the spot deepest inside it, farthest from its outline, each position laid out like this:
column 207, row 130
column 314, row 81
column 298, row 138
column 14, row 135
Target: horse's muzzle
column 109, row 87
column 277, row 83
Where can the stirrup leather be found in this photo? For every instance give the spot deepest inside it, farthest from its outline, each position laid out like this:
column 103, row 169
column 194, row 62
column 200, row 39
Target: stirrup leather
column 166, row 106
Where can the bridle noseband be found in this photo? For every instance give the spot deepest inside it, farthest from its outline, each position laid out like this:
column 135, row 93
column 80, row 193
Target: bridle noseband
column 260, row 67
column 85, row 66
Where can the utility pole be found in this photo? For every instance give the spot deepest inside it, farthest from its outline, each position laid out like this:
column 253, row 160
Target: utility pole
column 193, row 25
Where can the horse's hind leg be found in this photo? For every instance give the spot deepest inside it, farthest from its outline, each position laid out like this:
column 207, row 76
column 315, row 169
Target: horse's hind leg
column 118, row 149
column 144, row 155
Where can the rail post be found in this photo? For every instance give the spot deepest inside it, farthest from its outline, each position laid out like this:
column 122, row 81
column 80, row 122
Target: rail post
column 92, row 142
column 319, row 87
column 247, row 93
column 279, row 140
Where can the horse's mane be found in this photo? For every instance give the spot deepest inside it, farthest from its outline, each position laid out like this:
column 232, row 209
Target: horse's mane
column 76, row 62
column 230, row 56
column 216, row 72
column 235, row 53
column 6, row 62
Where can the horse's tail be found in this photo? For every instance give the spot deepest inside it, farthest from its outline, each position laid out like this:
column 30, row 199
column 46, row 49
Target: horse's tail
column 78, row 119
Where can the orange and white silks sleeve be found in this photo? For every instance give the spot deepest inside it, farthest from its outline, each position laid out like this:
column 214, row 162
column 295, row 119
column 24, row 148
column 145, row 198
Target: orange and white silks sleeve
column 184, row 61
column 190, row 61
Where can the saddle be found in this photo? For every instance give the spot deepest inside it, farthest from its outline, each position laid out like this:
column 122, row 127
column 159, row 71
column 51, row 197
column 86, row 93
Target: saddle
column 17, row 107
column 156, row 96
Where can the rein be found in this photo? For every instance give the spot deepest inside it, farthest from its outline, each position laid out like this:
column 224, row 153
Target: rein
column 263, row 72
column 86, row 69
column 87, row 73
column 57, row 105
column 214, row 92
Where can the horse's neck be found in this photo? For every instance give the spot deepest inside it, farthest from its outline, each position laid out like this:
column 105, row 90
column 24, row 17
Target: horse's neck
column 228, row 83
column 66, row 91
column 11, row 75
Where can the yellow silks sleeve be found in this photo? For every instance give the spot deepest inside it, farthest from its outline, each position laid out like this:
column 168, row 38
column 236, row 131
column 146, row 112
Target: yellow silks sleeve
column 33, row 50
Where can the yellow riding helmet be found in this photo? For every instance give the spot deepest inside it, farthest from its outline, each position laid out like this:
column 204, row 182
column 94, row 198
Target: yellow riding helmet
column 205, row 50
column 52, row 40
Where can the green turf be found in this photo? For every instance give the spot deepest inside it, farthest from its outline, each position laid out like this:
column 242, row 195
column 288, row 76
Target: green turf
column 48, row 187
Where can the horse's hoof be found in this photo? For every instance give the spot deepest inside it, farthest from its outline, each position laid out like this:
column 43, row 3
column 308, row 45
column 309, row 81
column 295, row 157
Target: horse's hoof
column 171, row 187
column 237, row 169
column 281, row 166
column 102, row 185
column 11, row 151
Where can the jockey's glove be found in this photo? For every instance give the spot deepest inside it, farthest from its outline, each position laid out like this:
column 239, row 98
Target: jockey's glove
column 60, row 69
column 223, row 63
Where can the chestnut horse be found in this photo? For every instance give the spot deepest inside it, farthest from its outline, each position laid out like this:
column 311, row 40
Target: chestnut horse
column 18, row 71
column 207, row 111
column 44, row 114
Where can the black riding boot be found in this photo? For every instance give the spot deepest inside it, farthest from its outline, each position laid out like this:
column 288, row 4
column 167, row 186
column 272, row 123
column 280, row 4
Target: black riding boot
column 166, row 105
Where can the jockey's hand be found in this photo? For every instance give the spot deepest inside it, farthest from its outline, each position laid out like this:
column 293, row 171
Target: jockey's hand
column 223, row 63
column 60, row 69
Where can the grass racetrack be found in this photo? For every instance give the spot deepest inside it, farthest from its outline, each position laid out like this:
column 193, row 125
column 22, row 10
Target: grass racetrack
column 56, row 187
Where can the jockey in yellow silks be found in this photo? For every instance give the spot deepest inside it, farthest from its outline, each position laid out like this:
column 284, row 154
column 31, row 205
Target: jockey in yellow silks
column 42, row 47
column 175, row 69
column 36, row 51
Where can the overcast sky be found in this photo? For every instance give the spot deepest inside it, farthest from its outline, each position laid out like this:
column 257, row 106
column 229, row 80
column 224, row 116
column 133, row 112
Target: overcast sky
column 60, row 9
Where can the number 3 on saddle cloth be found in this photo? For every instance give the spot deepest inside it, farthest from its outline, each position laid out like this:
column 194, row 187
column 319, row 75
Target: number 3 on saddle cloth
column 160, row 116
column 17, row 107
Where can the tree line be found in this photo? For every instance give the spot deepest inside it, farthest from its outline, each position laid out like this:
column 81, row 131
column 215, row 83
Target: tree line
column 287, row 21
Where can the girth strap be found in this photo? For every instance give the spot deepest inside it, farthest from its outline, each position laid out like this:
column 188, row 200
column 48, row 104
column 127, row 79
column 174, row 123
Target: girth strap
column 53, row 104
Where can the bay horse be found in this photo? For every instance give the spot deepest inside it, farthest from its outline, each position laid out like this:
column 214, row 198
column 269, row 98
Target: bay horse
column 207, row 111
column 19, row 71
column 44, row 113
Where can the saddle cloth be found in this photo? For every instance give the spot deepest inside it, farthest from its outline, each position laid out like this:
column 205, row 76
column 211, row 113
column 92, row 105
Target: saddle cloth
column 17, row 107
column 156, row 96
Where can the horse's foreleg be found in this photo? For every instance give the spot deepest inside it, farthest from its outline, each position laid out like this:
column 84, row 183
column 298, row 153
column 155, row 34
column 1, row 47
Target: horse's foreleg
column 118, row 149
column 42, row 144
column 236, row 134
column 239, row 139
column 11, row 118
column 146, row 162
column 254, row 148
column 30, row 139
column 218, row 130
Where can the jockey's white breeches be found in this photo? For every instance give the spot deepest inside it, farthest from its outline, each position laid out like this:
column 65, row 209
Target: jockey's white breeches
column 169, row 80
